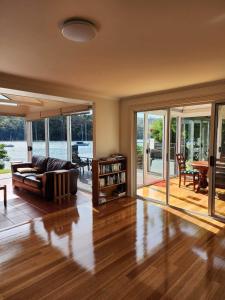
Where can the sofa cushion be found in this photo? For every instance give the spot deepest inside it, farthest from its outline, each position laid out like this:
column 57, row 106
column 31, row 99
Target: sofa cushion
column 26, row 170
column 40, row 163
column 33, row 181
column 20, row 177
column 54, row 164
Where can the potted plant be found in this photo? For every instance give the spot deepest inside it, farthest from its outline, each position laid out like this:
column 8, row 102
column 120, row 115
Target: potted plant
column 3, row 156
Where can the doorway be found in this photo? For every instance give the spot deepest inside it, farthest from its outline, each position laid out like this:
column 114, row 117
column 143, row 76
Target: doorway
column 191, row 133
column 217, row 162
column 186, row 131
column 151, row 155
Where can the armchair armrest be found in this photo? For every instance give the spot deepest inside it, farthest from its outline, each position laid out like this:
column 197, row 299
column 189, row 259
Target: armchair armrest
column 74, row 166
column 48, row 183
column 15, row 166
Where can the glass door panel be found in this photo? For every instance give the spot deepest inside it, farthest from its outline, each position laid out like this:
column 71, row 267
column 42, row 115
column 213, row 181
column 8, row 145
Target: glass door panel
column 173, row 145
column 38, row 138
column 195, row 137
column 219, row 172
column 192, row 142
column 151, row 144
column 82, row 147
column 140, row 117
column 58, row 137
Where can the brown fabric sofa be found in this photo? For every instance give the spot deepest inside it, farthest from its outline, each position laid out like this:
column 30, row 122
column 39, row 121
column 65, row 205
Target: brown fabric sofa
column 43, row 184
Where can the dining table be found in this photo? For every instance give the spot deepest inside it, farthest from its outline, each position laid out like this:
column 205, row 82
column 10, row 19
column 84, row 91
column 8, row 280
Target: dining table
column 202, row 167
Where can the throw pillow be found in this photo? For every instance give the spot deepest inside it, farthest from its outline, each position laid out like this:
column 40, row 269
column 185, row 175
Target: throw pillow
column 26, row 170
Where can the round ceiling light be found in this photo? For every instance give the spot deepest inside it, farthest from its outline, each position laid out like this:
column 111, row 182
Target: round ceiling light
column 79, row 30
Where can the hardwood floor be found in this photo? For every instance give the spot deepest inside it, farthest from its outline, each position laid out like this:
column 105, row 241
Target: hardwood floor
column 23, row 206
column 127, row 249
column 183, row 197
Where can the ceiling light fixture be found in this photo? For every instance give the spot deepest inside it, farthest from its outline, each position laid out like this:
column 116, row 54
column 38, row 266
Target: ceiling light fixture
column 79, row 30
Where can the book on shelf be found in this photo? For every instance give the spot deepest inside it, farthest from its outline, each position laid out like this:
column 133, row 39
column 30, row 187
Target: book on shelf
column 109, row 178
column 112, row 158
column 110, row 168
column 119, row 194
column 112, row 179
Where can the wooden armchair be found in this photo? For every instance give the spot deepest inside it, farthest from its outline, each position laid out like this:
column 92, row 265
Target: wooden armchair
column 191, row 176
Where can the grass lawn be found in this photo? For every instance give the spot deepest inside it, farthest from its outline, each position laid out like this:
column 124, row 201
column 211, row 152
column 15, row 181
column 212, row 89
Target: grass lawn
column 4, row 171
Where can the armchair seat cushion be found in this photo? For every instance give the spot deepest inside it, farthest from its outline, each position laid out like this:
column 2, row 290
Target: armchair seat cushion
column 20, row 176
column 33, row 181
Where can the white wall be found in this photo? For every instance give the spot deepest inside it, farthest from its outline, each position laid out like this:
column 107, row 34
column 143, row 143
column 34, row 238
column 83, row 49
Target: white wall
column 106, row 133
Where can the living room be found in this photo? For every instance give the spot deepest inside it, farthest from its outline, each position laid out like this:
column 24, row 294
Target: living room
column 77, row 73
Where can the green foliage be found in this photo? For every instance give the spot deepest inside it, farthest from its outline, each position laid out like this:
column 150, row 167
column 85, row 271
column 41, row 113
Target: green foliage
column 173, row 128
column 3, row 152
column 5, row 171
column 12, row 128
column 139, row 149
column 157, row 130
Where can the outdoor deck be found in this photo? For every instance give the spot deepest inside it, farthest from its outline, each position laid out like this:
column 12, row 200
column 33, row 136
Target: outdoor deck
column 183, row 197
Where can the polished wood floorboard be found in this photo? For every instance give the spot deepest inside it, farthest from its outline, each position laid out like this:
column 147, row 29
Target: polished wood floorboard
column 127, row 249
column 183, row 197
column 23, row 206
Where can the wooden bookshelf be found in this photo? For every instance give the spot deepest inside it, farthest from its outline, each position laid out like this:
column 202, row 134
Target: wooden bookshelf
column 109, row 180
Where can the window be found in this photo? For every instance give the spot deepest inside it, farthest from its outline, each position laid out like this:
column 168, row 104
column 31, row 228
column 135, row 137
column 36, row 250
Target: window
column 38, row 135
column 58, row 137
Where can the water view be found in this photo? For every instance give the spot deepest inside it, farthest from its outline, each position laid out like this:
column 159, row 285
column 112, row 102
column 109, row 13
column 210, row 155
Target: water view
column 17, row 150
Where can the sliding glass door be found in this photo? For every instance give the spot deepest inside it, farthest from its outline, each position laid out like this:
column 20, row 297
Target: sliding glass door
column 186, row 134
column 217, row 161
column 151, row 154
column 193, row 140
column 189, row 152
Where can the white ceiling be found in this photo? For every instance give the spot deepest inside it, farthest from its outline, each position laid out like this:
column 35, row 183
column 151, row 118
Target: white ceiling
column 142, row 45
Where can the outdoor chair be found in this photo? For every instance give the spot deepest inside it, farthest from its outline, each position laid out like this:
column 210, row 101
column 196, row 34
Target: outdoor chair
column 191, row 176
column 80, row 162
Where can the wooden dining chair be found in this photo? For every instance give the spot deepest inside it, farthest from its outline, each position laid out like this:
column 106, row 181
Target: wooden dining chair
column 191, row 176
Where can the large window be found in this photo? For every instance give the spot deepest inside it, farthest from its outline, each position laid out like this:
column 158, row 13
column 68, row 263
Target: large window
column 38, row 135
column 82, row 146
column 13, row 142
column 58, row 137
column 68, row 138
column 81, row 129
